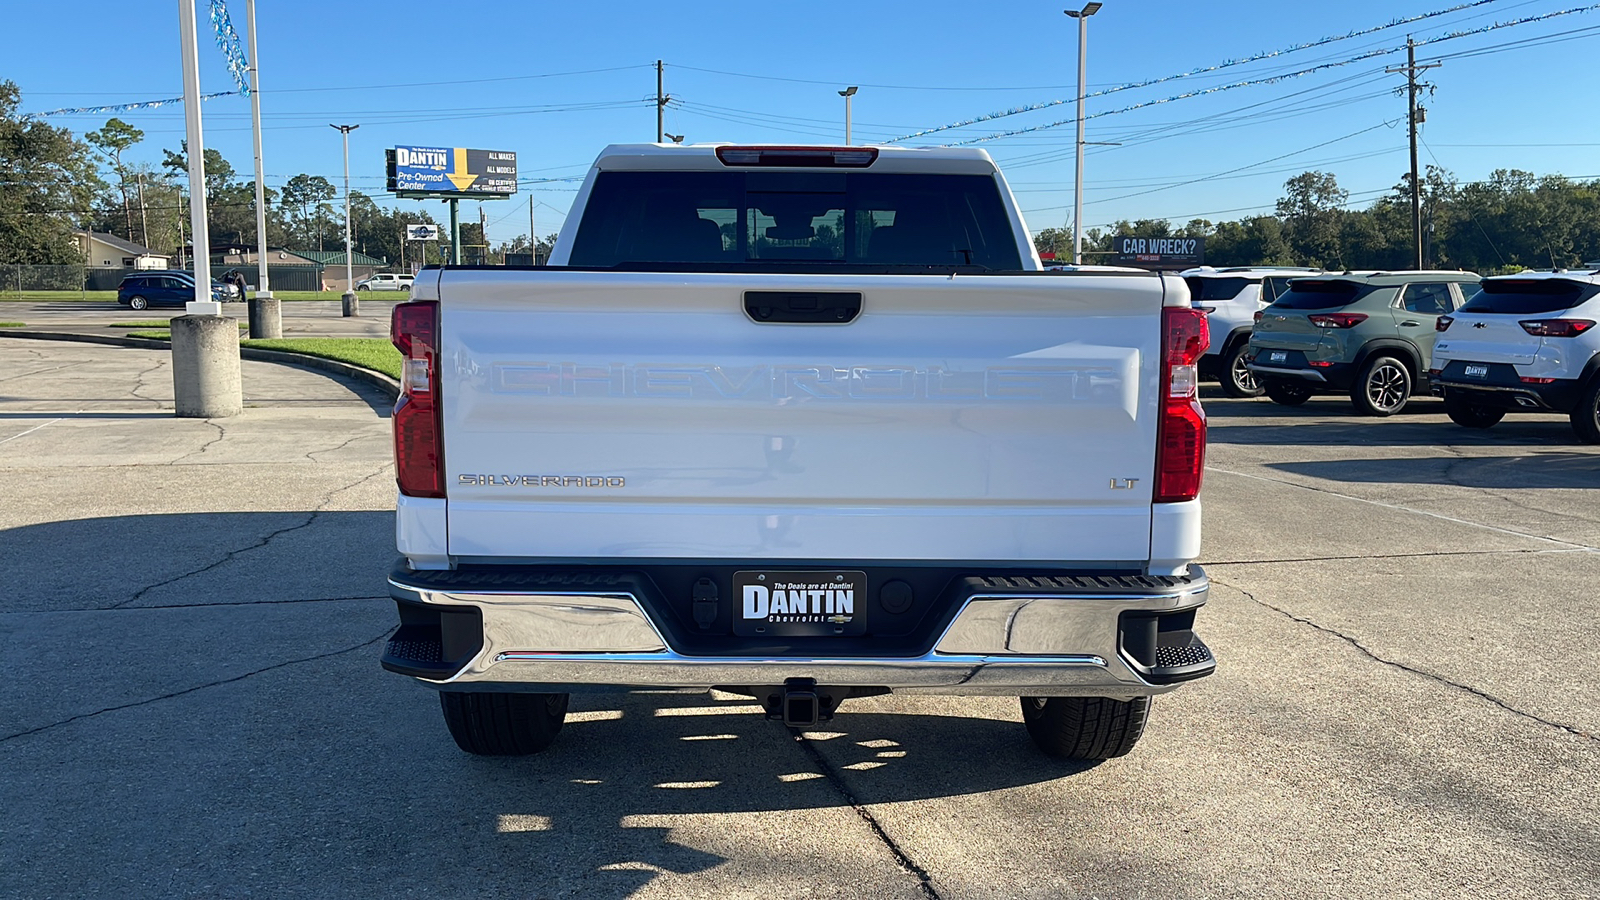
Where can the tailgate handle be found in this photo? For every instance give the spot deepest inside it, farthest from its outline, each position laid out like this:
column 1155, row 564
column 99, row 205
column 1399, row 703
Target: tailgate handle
column 803, row 307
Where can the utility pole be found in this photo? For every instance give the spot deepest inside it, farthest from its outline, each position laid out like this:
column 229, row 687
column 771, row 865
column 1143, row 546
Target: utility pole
column 483, row 235
column 533, row 229
column 661, row 104
column 144, row 223
column 1082, row 15
column 1414, row 115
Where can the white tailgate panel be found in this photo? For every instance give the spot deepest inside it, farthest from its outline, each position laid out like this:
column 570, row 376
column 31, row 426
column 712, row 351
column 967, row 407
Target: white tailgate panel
column 645, row 415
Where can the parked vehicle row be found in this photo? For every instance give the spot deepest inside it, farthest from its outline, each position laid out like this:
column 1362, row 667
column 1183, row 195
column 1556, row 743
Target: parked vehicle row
column 1488, row 346
column 1231, row 298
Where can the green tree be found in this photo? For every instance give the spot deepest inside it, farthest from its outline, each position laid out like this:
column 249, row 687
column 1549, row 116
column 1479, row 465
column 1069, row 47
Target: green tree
column 1312, row 209
column 49, row 183
column 305, row 192
column 116, row 137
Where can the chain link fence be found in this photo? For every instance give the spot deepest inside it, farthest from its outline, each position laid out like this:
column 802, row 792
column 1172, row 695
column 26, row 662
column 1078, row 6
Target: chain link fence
column 56, row 282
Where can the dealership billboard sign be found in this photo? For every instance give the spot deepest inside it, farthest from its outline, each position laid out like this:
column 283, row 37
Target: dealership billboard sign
column 422, row 232
column 1158, row 253
column 451, row 172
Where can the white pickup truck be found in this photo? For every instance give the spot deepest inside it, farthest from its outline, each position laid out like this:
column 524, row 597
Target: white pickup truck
column 804, row 424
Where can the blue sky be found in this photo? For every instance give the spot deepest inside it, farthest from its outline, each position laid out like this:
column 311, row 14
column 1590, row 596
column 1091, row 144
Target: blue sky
column 438, row 74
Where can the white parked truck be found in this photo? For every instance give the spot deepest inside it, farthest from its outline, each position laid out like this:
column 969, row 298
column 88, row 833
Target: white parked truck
column 805, row 424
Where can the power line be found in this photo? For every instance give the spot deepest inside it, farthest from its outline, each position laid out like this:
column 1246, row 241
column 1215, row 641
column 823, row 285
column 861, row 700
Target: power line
column 1273, row 79
column 1226, row 64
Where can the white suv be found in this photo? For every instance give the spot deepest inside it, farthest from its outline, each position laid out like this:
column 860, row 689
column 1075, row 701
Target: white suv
column 1231, row 298
column 385, row 282
column 1523, row 342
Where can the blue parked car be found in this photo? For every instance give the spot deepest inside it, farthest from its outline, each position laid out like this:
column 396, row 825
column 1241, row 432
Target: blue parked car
column 171, row 288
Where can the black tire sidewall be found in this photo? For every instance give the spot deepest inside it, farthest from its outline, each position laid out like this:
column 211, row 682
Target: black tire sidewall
column 1229, row 387
column 1586, row 416
column 1362, row 399
column 1285, row 393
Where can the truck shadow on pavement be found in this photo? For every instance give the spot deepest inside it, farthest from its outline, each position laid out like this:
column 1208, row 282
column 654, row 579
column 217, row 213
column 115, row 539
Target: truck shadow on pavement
column 1539, row 470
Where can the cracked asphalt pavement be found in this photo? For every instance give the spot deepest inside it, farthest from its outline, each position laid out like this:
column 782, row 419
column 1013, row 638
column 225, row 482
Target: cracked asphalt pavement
column 1407, row 704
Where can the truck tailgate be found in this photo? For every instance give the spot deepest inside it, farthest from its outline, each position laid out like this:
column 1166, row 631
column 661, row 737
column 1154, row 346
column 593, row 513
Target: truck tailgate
column 986, row 418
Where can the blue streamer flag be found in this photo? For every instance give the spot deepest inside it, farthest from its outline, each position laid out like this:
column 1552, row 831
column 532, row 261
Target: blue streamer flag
column 230, row 45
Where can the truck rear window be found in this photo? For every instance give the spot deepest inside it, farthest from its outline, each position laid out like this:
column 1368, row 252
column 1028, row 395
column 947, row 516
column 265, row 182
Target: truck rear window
column 1532, row 295
column 1215, row 290
column 1304, row 294
column 802, row 220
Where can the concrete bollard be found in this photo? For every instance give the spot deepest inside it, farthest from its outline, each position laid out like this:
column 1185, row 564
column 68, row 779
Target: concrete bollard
column 352, row 306
column 266, row 316
column 205, row 367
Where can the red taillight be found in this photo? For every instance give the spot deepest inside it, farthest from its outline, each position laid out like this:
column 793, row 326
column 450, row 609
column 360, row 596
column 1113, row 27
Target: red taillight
column 1526, row 380
column 1337, row 320
column 799, row 157
column 1181, row 432
column 1556, row 327
column 1257, row 316
column 418, row 450
column 1322, row 364
column 1442, row 323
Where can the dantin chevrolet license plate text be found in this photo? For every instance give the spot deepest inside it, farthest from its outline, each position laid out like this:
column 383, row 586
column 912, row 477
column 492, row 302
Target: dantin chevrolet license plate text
column 799, row 604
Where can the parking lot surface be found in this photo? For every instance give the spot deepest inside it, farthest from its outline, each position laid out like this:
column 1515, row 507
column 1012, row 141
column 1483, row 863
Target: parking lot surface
column 301, row 318
column 1406, row 706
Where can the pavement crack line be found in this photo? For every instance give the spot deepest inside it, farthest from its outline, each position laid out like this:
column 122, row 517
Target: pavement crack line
column 1476, row 692
column 231, row 554
column 1428, row 555
column 200, row 451
column 924, row 880
column 199, row 687
column 211, row 605
column 1421, row 512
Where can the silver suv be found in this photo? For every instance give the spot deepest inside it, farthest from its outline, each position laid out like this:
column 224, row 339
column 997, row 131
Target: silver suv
column 1368, row 333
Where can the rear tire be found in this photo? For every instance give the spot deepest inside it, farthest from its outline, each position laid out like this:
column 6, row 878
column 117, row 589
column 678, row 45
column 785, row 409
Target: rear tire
column 1472, row 415
column 138, row 303
column 1091, row 728
column 1285, row 393
column 1586, row 415
column 1382, row 388
column 1237, row 379
column 495, row 724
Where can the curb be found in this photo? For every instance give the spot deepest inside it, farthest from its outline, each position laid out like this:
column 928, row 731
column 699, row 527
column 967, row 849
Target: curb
column 384, row 383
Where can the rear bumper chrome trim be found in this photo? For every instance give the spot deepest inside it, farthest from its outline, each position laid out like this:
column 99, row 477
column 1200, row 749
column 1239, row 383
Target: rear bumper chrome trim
column 1051, row 643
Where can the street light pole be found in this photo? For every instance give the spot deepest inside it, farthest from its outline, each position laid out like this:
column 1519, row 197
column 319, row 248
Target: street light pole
column 349, row 297
column 266, row 321
column 203, row 304
column 847, row 93
column 1082, row 15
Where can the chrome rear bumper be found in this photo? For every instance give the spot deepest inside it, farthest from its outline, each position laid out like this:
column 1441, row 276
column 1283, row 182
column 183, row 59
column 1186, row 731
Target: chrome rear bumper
column 1047, row 643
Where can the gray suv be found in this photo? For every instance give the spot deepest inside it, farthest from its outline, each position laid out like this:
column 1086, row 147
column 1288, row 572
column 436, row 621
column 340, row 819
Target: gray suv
column 1368, row 333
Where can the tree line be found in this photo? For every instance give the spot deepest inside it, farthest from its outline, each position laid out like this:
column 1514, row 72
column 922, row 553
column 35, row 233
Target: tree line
column 1510, row 221
column 52, row 182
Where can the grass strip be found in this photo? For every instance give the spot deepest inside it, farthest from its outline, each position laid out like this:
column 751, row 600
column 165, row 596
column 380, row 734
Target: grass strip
column 376, row 354
column 11, row 324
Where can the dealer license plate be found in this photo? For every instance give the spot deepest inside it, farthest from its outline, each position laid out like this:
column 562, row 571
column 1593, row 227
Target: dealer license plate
column 799, row 604
column 1477, row 371
column 1278, row 356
